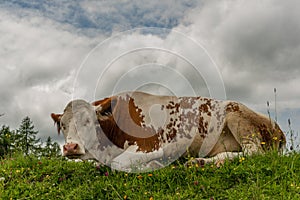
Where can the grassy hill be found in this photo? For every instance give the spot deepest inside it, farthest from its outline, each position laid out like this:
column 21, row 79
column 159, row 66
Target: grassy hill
column 267, row 176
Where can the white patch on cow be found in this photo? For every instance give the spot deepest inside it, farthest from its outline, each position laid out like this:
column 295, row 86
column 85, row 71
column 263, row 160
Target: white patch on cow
column 108, row 153
column 131, row 160
column 156, row 117
column 179, row 145
column 151, row 105
column 126, row 145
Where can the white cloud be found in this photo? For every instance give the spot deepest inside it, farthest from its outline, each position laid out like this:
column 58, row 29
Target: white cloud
column 38, row 58
column 255, row 43
column 43, row 46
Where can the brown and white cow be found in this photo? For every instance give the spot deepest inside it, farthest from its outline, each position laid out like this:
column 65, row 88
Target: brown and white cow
column 139, row 131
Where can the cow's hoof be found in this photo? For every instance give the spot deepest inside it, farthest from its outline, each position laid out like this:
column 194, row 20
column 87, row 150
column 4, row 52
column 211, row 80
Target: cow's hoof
column 199, row 162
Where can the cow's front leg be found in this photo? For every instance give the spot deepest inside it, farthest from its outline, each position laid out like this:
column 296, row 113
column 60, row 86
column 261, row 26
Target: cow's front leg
column 218, row 159
column 131, row 161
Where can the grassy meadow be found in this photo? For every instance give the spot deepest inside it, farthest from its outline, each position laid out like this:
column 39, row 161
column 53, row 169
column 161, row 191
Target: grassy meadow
column 269, row 176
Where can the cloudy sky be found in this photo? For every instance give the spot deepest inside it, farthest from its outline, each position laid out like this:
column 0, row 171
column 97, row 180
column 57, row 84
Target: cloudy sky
column 54, row 51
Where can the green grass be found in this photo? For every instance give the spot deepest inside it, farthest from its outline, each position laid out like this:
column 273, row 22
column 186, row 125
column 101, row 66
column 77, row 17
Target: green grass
column 267, row 176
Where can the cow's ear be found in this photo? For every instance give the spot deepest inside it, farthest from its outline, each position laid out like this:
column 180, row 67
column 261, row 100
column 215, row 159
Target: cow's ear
column 56, row 118
column 104, row 107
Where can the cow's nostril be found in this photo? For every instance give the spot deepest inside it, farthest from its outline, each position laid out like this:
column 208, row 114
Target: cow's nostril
column 70, row 147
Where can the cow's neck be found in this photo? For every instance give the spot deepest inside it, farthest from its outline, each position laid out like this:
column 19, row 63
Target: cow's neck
column 109, row 130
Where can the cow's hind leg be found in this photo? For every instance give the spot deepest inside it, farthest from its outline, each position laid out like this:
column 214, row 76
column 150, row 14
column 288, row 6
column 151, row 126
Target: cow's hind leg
column 245, row 134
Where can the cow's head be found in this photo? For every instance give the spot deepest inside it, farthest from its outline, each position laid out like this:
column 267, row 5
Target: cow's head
column 78, row 124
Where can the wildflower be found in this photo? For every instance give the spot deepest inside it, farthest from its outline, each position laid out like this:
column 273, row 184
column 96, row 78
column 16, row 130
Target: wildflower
column 2, row 179
column 196, row 182
column 292, row 185
column 17, row 171
column 151, row 198
column 125, row 197
column 275, row 138
column 139, row 176
column 173, row 167
column 263, row 143
column 106, row 174
column 150, row 175
column 242, row 159
column 126, row 174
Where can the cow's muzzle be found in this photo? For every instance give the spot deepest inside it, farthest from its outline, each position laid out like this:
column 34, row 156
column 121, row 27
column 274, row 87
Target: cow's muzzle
column 72, row 150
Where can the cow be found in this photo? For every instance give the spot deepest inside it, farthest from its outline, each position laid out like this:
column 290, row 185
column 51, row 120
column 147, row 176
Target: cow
column 137, row 131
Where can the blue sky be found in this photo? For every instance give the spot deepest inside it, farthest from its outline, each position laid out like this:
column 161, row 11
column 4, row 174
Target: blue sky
column 105, row 16
column 53, row 51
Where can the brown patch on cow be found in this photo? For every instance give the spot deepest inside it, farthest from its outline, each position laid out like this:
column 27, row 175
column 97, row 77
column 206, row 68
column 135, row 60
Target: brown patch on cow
column 202, row 127
column 135, row 112
column 106, row 104
column 171, row 134
column 127, row 116
column 205, row 108
column 102, row 102
column 169, row 125
column 174, row 107
column 118, row 137
column 232, row 107
column 271, row 137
